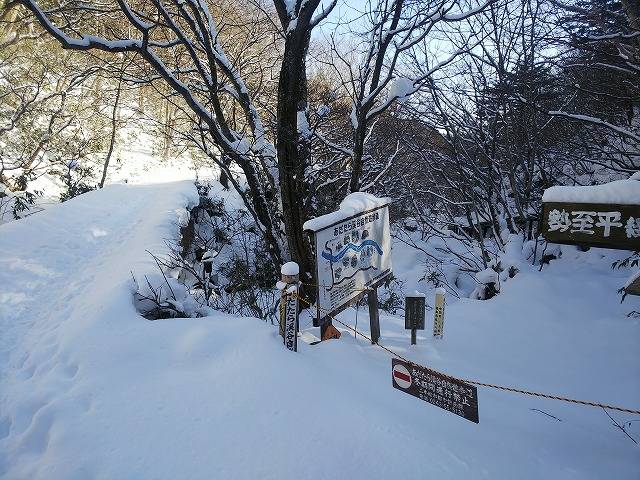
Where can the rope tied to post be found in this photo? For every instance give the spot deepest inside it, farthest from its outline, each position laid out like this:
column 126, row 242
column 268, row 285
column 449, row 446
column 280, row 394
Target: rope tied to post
column 475, row 382
column 327, row 287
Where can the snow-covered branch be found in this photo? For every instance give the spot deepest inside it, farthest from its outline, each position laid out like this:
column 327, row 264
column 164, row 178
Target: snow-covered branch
column 597, row 121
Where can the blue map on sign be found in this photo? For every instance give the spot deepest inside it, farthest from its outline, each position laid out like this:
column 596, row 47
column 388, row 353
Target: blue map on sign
column 350, row 257
column 351, row 246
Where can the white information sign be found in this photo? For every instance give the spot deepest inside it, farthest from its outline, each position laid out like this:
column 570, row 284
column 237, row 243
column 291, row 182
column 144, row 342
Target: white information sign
column 352, row 255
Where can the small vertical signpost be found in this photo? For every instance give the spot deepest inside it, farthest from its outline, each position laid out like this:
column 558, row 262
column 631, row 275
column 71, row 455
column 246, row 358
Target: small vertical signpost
column 289, row 305
column 414, row 315
column 438, row 313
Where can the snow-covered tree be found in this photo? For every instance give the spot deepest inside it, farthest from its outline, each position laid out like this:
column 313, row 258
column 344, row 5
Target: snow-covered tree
column 180, row 42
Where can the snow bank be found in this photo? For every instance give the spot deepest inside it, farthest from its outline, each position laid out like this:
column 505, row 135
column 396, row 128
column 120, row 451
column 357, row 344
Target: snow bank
column 71, row 336
column 353, row 204
column 624, row 192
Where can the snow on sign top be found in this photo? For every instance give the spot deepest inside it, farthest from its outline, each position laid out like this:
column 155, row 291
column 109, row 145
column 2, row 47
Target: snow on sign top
column 353, row 204
column 416, row 294
column 623, row 192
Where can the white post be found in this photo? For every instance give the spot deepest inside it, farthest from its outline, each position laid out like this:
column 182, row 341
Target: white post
column 438, row 313
column 289, row 305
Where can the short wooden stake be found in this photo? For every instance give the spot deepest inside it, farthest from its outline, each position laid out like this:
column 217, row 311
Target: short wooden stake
column 438, row 313
column 374, row 315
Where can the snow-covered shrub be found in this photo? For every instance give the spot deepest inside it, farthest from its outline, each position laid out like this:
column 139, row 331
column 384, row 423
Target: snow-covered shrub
column 551, row 251
column 76, row 179
column 488, row 285
column 159, row 296
column 250, row 281
column 410, row 224
column 391, row 297
column 15, row 205
column 633, row 262
column 221, row 263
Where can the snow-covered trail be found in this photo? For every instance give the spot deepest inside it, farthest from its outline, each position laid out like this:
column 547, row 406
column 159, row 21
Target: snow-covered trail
column 65, row 253
column 55, row 267
column 90, row 390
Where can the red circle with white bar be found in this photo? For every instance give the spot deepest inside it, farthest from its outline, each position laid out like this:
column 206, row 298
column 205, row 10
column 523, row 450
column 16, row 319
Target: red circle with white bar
column 401, row 376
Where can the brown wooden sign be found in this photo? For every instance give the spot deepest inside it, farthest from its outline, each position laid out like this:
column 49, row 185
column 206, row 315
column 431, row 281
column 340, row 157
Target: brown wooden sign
column 592, row 224
column 433, row 387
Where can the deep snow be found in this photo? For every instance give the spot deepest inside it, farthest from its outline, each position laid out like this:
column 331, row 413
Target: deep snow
column 623, row 192
column 89, row 389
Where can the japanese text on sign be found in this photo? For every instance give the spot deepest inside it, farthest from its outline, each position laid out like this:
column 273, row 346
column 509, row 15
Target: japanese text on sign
column 291, row 327
column 585, row 222
column 445, row 392
column 604, row 225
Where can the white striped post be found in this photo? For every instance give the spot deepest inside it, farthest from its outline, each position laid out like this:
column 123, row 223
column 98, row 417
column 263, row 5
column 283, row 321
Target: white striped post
column 438, row 313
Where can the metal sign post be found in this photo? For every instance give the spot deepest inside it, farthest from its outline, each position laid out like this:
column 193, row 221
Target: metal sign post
column 414, row 314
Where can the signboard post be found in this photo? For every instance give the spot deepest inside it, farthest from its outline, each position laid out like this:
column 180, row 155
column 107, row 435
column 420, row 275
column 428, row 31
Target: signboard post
column 414, row 315
column 353, row 256
column 445, row 392
column 374, row 314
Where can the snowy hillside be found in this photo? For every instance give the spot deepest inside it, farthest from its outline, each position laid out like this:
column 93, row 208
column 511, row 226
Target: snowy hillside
column 89, row 389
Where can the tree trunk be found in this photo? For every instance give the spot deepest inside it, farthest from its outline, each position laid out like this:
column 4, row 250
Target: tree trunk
column 357, row 158
column 114, row 127
column 292, row 148
column 632, row 7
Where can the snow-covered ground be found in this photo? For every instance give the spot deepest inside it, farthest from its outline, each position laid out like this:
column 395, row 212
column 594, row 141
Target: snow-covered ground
column 89, row 389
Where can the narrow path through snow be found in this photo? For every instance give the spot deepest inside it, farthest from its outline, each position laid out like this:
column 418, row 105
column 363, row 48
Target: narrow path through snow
column 71, row 251
column 57, row 255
